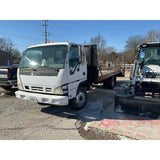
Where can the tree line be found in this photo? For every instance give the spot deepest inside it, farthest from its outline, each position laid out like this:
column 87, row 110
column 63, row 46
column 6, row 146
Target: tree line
column 105, row 53
column 7, row 45
column 130, row 51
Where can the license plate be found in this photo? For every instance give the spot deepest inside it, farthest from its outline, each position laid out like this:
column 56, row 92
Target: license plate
column 33, row 99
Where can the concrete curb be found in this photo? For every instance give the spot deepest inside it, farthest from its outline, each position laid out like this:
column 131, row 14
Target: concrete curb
column 91, row 132
column 112, row 129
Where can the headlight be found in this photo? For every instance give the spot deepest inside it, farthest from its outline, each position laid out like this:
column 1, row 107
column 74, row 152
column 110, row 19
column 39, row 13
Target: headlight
column 20, row 87
column 58, row 90
column 63, row 90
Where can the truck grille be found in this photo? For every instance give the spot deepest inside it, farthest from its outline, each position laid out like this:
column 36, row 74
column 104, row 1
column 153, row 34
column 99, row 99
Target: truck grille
column 33, row 88
column 38, row 89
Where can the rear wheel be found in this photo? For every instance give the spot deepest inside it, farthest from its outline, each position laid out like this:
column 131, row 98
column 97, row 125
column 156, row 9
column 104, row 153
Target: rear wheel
column 110, row 82
column 80, row 100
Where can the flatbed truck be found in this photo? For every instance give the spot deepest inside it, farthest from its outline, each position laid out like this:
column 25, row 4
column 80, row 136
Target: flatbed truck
column 60, row 73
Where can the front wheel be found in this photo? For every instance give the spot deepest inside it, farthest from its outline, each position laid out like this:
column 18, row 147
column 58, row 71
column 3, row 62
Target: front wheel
column 80, row 100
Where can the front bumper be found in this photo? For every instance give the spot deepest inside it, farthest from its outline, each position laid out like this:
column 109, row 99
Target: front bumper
column 43, row 98
column 8, row 82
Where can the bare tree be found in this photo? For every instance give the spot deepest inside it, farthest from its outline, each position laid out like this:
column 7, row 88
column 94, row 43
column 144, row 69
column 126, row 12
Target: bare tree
column 2, row 44
column 134, row 41
column 109, row 50
column 153, row 36
column 131, row 46
column 101, row 44
column 8, row 46
column 99, row 41
column 16, row 56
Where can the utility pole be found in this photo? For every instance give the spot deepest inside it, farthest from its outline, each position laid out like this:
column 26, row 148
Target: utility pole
column 45, row 30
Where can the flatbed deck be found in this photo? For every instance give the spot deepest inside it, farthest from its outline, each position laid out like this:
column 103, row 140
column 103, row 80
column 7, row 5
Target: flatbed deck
column 106, row 73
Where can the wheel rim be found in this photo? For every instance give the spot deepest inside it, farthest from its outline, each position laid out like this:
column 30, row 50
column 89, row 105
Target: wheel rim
column 80, row 99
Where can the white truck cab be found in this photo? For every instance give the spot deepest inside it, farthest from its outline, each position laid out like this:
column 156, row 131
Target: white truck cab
column 53, row 73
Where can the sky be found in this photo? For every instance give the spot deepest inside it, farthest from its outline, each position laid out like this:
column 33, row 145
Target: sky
column 25, row 33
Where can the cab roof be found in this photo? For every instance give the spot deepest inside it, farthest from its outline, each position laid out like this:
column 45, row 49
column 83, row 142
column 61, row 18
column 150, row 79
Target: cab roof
column 149, row 44
column 52, row 44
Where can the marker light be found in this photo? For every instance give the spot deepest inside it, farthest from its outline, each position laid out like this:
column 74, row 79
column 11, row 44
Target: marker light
column 52, row 41
column 67, row 41
column 144, row 45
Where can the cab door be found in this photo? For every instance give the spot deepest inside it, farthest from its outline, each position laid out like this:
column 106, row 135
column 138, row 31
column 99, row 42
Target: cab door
column 77, row 69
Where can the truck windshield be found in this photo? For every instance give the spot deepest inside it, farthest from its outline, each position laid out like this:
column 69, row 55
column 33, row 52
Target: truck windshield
column 44, row 56
column 150, row 55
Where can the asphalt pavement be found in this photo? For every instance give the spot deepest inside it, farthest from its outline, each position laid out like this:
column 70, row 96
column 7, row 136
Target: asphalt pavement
column 25, row 120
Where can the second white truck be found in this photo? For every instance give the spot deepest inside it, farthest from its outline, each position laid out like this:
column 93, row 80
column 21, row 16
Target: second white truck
column 61, row 73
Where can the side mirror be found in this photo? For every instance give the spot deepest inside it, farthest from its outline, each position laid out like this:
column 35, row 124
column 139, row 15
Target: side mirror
column 142, row 54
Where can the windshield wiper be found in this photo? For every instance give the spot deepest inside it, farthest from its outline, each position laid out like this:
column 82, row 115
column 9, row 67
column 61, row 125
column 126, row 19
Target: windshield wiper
column 57, row 69
column 45, row 67
column 24, row 67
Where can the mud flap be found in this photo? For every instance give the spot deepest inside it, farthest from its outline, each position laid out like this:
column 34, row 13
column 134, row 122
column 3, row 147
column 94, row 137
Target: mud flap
column 136, row 104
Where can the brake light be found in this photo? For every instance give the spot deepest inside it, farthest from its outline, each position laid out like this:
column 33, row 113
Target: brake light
column 9, row 74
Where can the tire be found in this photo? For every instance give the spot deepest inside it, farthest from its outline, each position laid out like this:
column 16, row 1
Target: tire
column 110, row 82
column 79, row 102
column 7, row 88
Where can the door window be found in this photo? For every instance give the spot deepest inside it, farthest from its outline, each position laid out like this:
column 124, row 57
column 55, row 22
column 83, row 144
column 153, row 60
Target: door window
column 73, row 58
